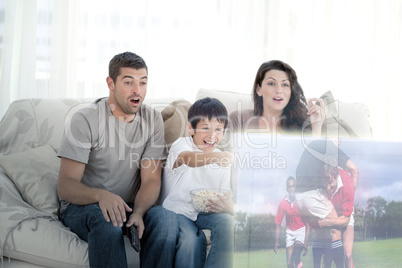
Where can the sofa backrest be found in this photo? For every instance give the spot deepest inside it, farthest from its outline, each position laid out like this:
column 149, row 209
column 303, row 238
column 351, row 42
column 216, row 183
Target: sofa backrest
column 30, row 122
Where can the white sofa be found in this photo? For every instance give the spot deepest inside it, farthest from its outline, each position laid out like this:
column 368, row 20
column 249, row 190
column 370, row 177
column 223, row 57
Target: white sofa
column 30, row 133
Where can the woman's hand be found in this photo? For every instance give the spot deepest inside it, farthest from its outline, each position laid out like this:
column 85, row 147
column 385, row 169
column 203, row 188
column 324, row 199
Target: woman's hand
column 317, row 114
column 223, row 204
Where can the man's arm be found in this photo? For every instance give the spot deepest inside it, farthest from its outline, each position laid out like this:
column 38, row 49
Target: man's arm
column 70, row 189
column 277, row 232
column 306, row 239
column 341, row 221
column 151, row 171
column 354, row 172
column 199, row 159
column 280, row 213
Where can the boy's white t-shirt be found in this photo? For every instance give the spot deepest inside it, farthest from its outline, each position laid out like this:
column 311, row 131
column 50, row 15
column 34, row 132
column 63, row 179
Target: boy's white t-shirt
column 178, row 183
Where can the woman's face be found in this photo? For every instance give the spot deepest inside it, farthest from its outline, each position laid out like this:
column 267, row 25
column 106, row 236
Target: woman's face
column 275, row 91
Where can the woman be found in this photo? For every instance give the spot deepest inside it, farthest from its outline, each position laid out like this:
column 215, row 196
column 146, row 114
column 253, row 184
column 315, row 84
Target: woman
column 279, row 103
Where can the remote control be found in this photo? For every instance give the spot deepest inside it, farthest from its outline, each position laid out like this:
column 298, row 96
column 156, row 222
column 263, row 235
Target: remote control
column 134, row 239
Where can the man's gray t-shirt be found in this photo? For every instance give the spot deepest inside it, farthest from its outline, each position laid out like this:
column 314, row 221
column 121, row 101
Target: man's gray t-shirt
column 111, row 149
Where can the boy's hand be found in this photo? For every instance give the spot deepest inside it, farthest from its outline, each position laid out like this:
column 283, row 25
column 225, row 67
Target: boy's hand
column 226, row 159
column 222, row 205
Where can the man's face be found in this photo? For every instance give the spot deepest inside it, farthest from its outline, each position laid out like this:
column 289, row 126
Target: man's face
column 331, row 187
column 207, row 134
column 291, row 187
column 127, row 92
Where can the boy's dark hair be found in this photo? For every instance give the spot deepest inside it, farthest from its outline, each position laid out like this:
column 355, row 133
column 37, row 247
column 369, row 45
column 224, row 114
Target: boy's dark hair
column 207, row 108
column 125, row 59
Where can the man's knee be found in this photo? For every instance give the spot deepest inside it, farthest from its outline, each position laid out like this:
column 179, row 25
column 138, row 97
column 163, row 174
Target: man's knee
column 348, row 254
column 160, row 216
column 299, row 244
column 162, row 223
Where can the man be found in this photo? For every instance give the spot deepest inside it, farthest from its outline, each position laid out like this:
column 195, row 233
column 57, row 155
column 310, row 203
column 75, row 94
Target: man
column 297, row 232
column 111, row 156
column 311, row 200
column 340, row 190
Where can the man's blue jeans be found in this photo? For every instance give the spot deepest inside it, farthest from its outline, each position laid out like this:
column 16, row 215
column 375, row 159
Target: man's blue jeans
column 191, row 244
column 105, row 241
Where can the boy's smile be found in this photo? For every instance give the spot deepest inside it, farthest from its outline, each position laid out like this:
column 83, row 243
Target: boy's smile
column 207, row 134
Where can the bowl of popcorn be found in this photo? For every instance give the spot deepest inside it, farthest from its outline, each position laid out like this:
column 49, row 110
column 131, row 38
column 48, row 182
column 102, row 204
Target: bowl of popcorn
column 201, row 197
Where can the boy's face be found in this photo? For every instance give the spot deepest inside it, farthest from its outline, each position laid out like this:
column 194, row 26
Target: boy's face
column 207, row 134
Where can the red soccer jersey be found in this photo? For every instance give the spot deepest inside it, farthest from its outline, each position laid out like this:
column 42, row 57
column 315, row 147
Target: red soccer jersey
column 293, row 220
column 343, row 198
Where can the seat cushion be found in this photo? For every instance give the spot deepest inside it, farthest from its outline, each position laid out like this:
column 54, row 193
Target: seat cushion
column 34, row 173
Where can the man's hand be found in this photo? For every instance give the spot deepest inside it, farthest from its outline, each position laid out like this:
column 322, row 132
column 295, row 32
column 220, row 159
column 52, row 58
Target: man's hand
column 223, row 204
column 276, row 247
column 323, row 223
column 305, row 251
column 138, row 222
column 113, row 208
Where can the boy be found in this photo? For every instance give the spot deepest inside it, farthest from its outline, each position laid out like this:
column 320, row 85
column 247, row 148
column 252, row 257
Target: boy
column 193, row 163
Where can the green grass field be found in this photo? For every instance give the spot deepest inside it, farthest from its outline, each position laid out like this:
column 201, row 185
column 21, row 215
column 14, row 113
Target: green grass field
column 382, row 253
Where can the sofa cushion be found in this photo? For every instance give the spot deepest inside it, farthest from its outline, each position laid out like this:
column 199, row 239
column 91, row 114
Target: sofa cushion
column 33, row 236
column 34, row 173
column 175, row 121
column 348, row 120
column 37, row 238
column 232, row 100
column 29, row 121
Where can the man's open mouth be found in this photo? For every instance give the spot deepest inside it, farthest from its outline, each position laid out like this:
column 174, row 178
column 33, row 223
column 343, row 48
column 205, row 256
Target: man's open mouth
column 135, row 101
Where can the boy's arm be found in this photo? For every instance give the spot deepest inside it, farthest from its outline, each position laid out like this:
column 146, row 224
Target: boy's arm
column 199, row 159
column 223, row 205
